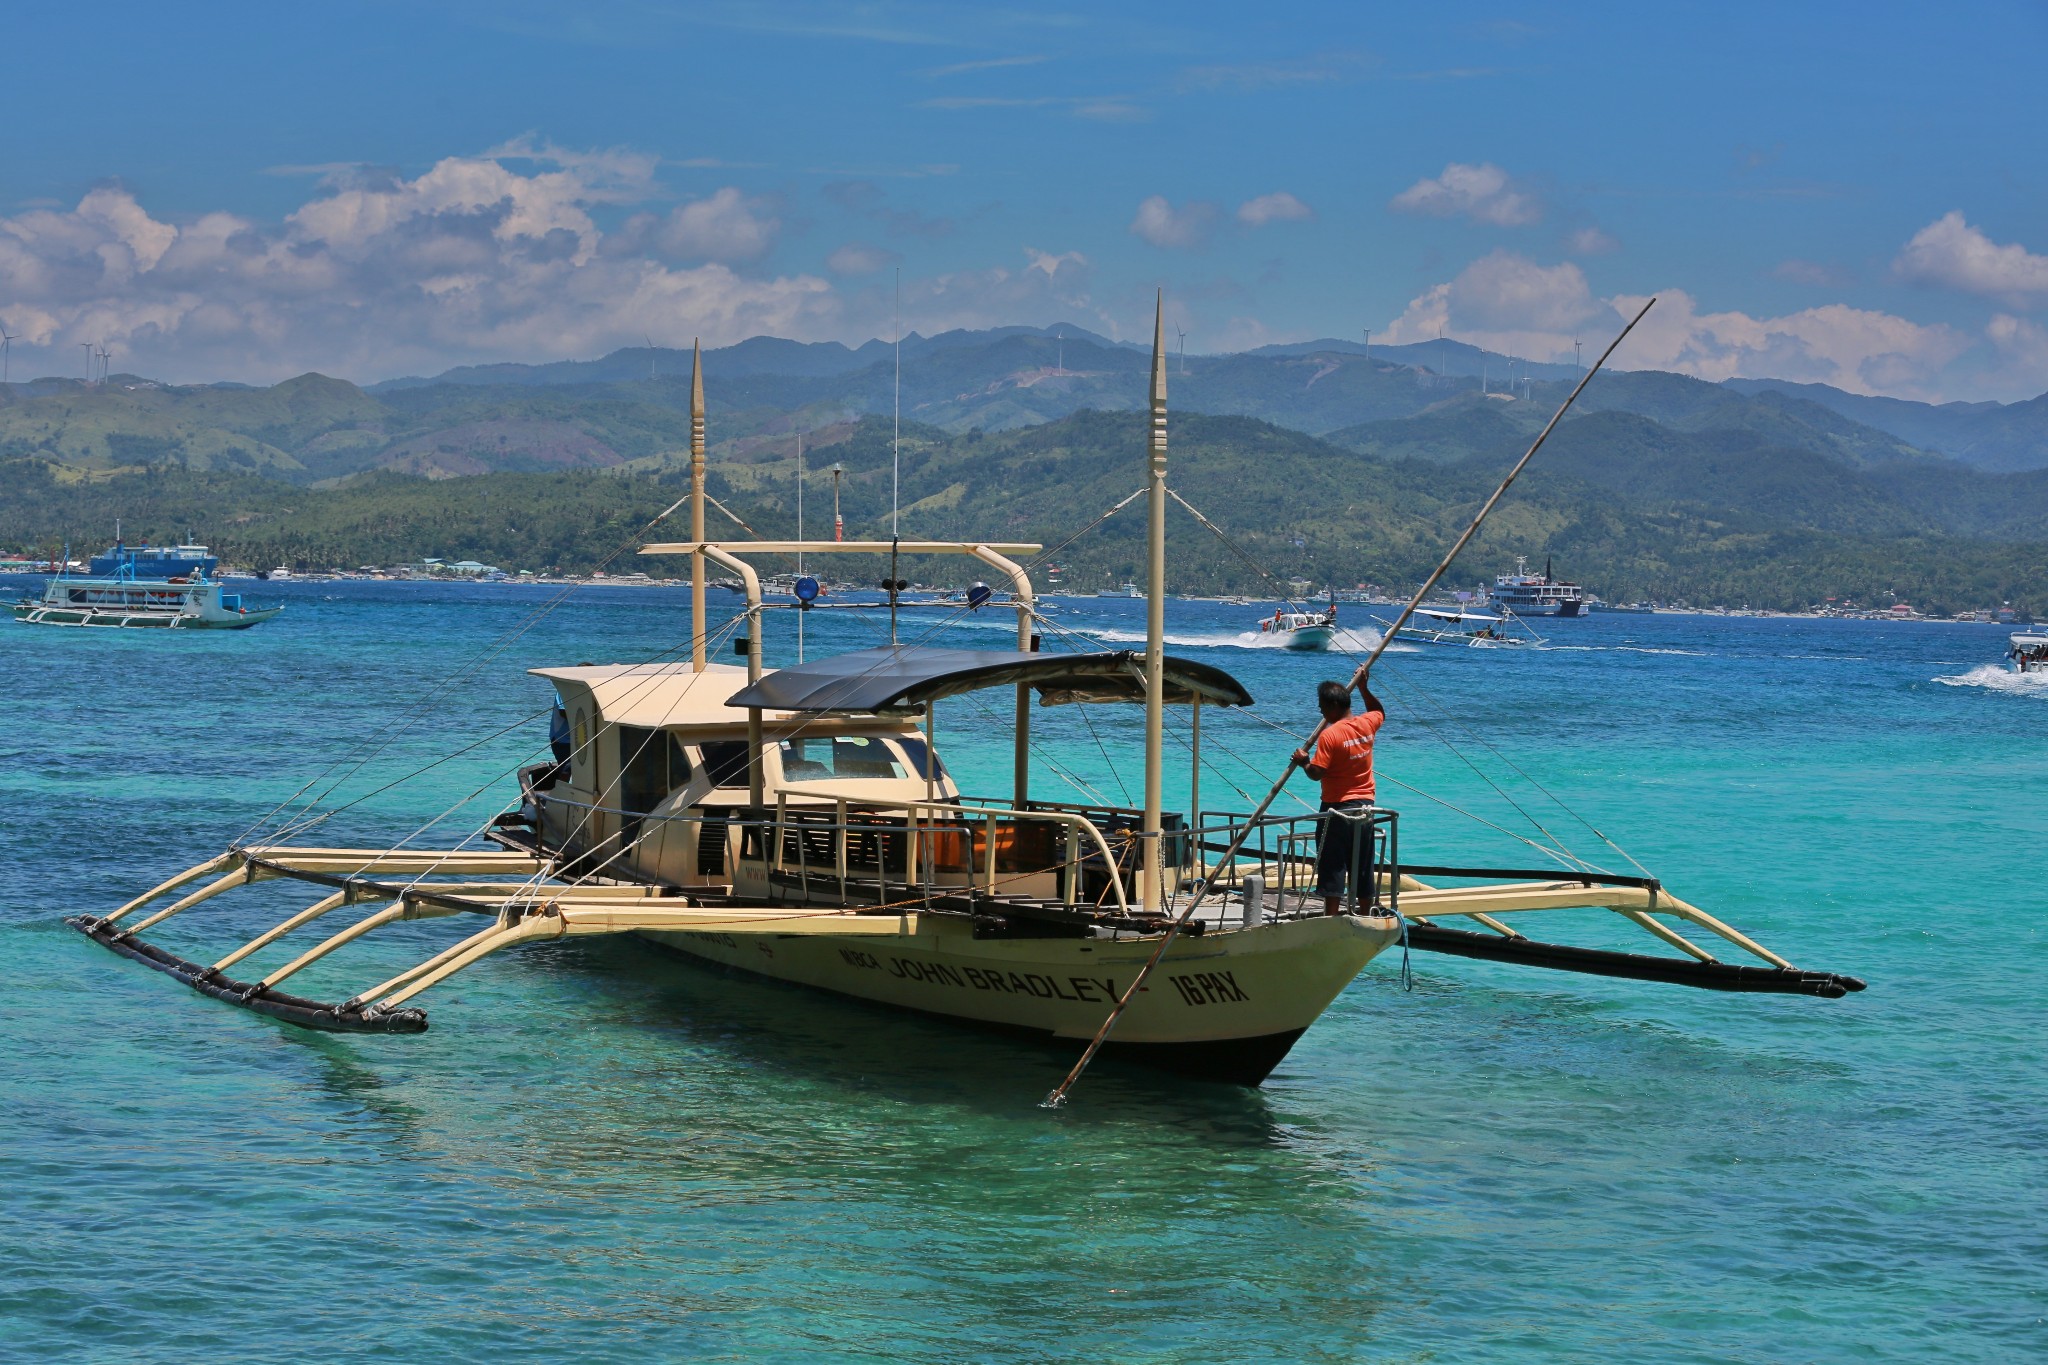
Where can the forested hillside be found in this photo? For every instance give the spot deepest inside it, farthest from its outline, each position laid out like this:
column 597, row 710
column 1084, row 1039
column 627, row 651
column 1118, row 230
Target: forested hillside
column 1632, row 509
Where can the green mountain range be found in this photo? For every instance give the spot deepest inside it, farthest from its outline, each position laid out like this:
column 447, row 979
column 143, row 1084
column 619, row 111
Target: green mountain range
column 1321, row 463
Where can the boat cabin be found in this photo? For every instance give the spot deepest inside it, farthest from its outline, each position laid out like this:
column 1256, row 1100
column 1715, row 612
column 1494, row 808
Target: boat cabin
column 655, row 779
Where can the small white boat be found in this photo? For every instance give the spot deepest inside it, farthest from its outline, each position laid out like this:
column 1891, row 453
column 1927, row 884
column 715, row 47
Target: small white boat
column 1469, row 629
column 1127, row 590
column 1304, row 630
column 2028, row 652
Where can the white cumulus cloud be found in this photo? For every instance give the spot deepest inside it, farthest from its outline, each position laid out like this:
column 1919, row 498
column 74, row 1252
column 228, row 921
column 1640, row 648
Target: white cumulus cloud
column 1278, row 207
column 1483, row 192
column 1163, row 225
column 1508, row 303
column 1950, row 253
column 478, row 258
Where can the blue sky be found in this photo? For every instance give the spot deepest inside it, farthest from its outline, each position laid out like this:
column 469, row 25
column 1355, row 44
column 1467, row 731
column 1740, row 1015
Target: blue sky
column 1843, row 193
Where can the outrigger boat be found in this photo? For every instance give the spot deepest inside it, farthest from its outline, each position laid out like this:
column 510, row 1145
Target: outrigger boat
column 164, row 589
column 799, row 824
column 1468, row 629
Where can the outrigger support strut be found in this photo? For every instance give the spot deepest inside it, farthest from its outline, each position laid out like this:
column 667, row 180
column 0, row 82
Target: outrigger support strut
column 536, row 909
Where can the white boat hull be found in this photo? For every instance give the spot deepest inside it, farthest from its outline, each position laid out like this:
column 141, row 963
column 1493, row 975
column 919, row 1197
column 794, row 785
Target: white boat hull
column 1225, row 1005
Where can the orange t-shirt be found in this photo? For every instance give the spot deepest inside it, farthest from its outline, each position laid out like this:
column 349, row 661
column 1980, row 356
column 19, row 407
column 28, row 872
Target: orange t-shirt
column 1344, row 753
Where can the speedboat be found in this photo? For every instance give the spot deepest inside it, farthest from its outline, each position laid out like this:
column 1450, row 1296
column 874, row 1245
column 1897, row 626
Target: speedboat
column 2028, row 652
column 1304, row 630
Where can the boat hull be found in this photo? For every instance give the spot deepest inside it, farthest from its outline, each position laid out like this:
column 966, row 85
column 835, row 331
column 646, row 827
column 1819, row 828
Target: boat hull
column 36, row 614
column 1310, row 638
column 1226, row 1005
column 1537, row 608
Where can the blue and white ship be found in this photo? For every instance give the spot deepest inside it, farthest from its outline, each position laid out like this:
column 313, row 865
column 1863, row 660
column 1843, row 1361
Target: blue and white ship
column 154, row 561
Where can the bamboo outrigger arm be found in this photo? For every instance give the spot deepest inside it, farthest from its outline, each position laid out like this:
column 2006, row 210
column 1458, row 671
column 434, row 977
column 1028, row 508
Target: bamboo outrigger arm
column 1636, row 899
column 522, row 911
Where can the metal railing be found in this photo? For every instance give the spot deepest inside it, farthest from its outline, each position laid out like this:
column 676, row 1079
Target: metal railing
column 1283, row 851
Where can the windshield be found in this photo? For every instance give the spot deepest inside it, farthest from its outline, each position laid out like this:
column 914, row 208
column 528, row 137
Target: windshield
column 840, row 756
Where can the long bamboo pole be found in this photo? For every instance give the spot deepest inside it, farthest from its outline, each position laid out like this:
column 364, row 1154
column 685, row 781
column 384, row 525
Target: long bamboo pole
column 1058, row 1096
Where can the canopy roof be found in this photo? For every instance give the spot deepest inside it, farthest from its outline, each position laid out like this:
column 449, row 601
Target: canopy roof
column 652, row 695
column 902, row 677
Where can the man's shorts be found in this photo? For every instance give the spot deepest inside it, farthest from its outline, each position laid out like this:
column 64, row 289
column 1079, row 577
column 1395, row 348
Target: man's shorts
column 1340, row 835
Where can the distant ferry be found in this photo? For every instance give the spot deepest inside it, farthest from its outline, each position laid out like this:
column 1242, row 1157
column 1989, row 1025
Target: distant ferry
column 1536, row 594
column 153, row 561
column 1127, row 590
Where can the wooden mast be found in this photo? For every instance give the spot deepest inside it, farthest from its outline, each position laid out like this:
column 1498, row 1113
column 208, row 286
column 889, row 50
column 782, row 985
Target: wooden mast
column 697, row 625
column 1155, row 615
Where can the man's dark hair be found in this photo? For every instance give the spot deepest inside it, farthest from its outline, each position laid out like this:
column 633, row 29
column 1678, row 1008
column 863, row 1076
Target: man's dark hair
column 1332, row 696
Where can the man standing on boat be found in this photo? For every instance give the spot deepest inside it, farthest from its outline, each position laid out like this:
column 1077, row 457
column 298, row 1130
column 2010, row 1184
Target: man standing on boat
column 1341, row 759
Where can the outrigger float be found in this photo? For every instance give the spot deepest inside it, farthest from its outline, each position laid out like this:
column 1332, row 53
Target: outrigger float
column 799, row 824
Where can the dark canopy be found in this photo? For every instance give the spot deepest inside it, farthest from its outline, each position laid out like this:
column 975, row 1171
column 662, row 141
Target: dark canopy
column 901, row 677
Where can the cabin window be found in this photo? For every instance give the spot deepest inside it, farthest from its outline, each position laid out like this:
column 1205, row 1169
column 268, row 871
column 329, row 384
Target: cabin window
column 652, row 763
column 815, row 759
column 725, row 761
column 914, row 752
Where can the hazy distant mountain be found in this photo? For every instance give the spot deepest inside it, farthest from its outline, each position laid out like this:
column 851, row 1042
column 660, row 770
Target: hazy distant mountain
column 2007, row 436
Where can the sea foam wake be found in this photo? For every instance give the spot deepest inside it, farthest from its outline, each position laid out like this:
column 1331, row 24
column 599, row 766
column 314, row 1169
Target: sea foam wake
column 1993, row 678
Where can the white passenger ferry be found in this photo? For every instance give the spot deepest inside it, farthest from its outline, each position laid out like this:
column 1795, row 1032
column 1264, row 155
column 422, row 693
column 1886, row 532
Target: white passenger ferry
column 189, row 601
column 1536, row 594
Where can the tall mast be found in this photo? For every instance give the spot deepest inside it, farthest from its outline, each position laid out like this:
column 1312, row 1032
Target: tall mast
column 1155, row 614
column 697, row 506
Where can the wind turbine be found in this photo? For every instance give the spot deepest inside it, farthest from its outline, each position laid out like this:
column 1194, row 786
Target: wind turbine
column 106, row 367
column 6, row 346
column 88, row 362
column 1368, row 347
column 650, row 353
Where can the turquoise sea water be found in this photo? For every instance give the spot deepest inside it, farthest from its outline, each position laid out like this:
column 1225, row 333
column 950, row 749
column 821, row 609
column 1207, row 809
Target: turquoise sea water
column 602, row 1154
